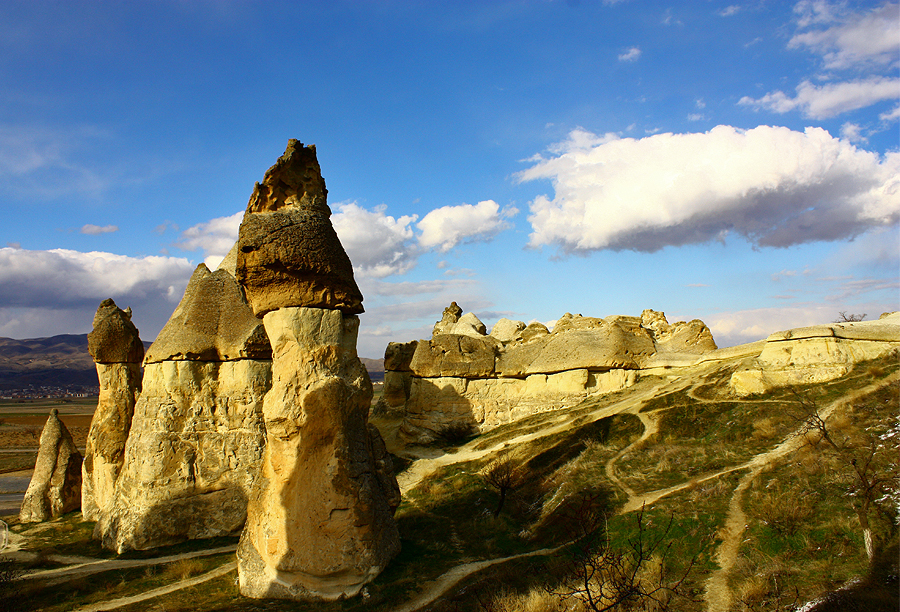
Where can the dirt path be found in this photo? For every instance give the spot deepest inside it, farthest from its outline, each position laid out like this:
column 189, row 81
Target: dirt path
column 445, row 582
column 718, row 595
column 177, row 586
column 62, row 574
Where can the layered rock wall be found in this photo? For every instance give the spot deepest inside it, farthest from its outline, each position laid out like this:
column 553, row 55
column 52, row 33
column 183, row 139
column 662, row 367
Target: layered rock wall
column 818, row 353
column 463, row 375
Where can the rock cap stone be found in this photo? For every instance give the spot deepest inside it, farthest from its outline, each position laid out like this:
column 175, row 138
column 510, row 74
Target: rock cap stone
column 114, row 338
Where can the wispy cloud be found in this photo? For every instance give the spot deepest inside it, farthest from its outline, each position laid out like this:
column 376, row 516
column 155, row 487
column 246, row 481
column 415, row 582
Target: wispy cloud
column 675, row 189
column 728, row 11
column 94, row 230
column 214, row 237
column 631, row 54
column 824, row 101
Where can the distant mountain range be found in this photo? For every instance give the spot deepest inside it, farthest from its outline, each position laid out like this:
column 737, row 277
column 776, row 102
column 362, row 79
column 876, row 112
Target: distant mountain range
column 64, row 361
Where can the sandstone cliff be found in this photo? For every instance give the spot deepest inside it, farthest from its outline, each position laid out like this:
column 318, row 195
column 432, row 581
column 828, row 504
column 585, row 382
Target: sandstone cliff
column 818, row 353
column 464, row 375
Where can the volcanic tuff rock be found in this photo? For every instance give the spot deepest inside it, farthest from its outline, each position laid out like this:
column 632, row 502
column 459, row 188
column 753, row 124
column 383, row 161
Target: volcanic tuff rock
column 288, row 252
column 55, row 486
column 114, row 337
column 197, row 434
column 320, row 517
column 464, row 375
column 817, row 354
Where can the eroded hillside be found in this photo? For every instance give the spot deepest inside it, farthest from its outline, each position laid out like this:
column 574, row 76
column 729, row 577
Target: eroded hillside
column 739, row 503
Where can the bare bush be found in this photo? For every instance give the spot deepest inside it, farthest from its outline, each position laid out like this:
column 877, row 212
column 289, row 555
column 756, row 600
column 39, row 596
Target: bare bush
column 843, row 317
column 503, row 475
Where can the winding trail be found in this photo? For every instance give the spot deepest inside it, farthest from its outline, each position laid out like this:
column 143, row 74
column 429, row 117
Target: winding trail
column 112, row 604
column 718, row 595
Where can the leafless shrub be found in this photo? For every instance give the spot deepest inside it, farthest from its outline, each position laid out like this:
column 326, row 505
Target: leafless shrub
column 843, row 317
column 503, row 475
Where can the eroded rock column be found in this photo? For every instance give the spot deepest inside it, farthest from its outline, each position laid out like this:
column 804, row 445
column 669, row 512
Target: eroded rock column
column 116, row 348
column 55, row 486
column 320, row 517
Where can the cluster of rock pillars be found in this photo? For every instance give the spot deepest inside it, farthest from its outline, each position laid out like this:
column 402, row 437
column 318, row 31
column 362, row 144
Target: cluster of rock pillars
column 251, row 413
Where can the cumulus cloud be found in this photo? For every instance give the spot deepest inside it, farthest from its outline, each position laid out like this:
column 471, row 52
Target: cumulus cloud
column 378, row 244
column 772, row 185
column 448, row 226
column 856, row 39
column 214, row 237
column 94, row 230
column 823, row 101
column 57, row 291
column 631, row 54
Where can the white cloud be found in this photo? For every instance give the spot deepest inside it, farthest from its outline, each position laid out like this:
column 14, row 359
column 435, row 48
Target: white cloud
column 214, row 237
column 891, row 115
column 696, row 117
column 444, row 228
column 728, row 11
column 853, row 132
column 745, row 326
column 871, row 37
column 775, row 186
column 377, row 244
column 94, row 230
column 821, row 102
column 57, row 291
column 631, row 54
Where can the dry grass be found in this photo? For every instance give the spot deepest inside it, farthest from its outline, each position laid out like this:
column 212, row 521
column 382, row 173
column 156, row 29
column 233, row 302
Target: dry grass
column 535, row 600
column 184, row 569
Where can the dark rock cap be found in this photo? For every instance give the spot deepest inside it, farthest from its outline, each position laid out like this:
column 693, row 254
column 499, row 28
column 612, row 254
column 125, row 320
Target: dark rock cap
column 114, row 338
column 288, row 252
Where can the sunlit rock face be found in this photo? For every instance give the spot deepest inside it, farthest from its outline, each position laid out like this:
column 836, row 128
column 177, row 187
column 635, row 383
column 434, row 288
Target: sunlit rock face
column 197, row 434
column 817, row 353
column 465, row 376
column 55, row 486
column 320, row 517
column 288, row 252
column 116, row 347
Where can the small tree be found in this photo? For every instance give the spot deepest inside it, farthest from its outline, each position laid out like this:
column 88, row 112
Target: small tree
column 635, row 576
column 503, row 475
column 843, row 317
column 869, row 459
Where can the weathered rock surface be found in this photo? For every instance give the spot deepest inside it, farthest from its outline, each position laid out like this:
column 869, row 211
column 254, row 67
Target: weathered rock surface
column 320, row 517
column 320, row 521
column 463, row 375
column 55, row 486
column 213, row 322
column 195, row 443
column 817, row 354
column 197, row 433
column 113, row 336
column 288, row 252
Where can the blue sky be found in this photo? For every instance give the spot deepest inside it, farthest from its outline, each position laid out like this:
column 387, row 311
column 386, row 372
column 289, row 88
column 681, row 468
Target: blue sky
column 735, row 162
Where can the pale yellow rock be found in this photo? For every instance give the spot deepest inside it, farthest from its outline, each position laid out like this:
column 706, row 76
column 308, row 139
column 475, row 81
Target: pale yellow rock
column 195, row 443
column 120, row 385
column 817, row 354
column 507, row 330
column 435, row 403
column 320, row 518
column 55, row 486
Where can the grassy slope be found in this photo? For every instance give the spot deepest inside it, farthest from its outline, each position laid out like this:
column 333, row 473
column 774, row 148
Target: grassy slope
column 802, row 535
